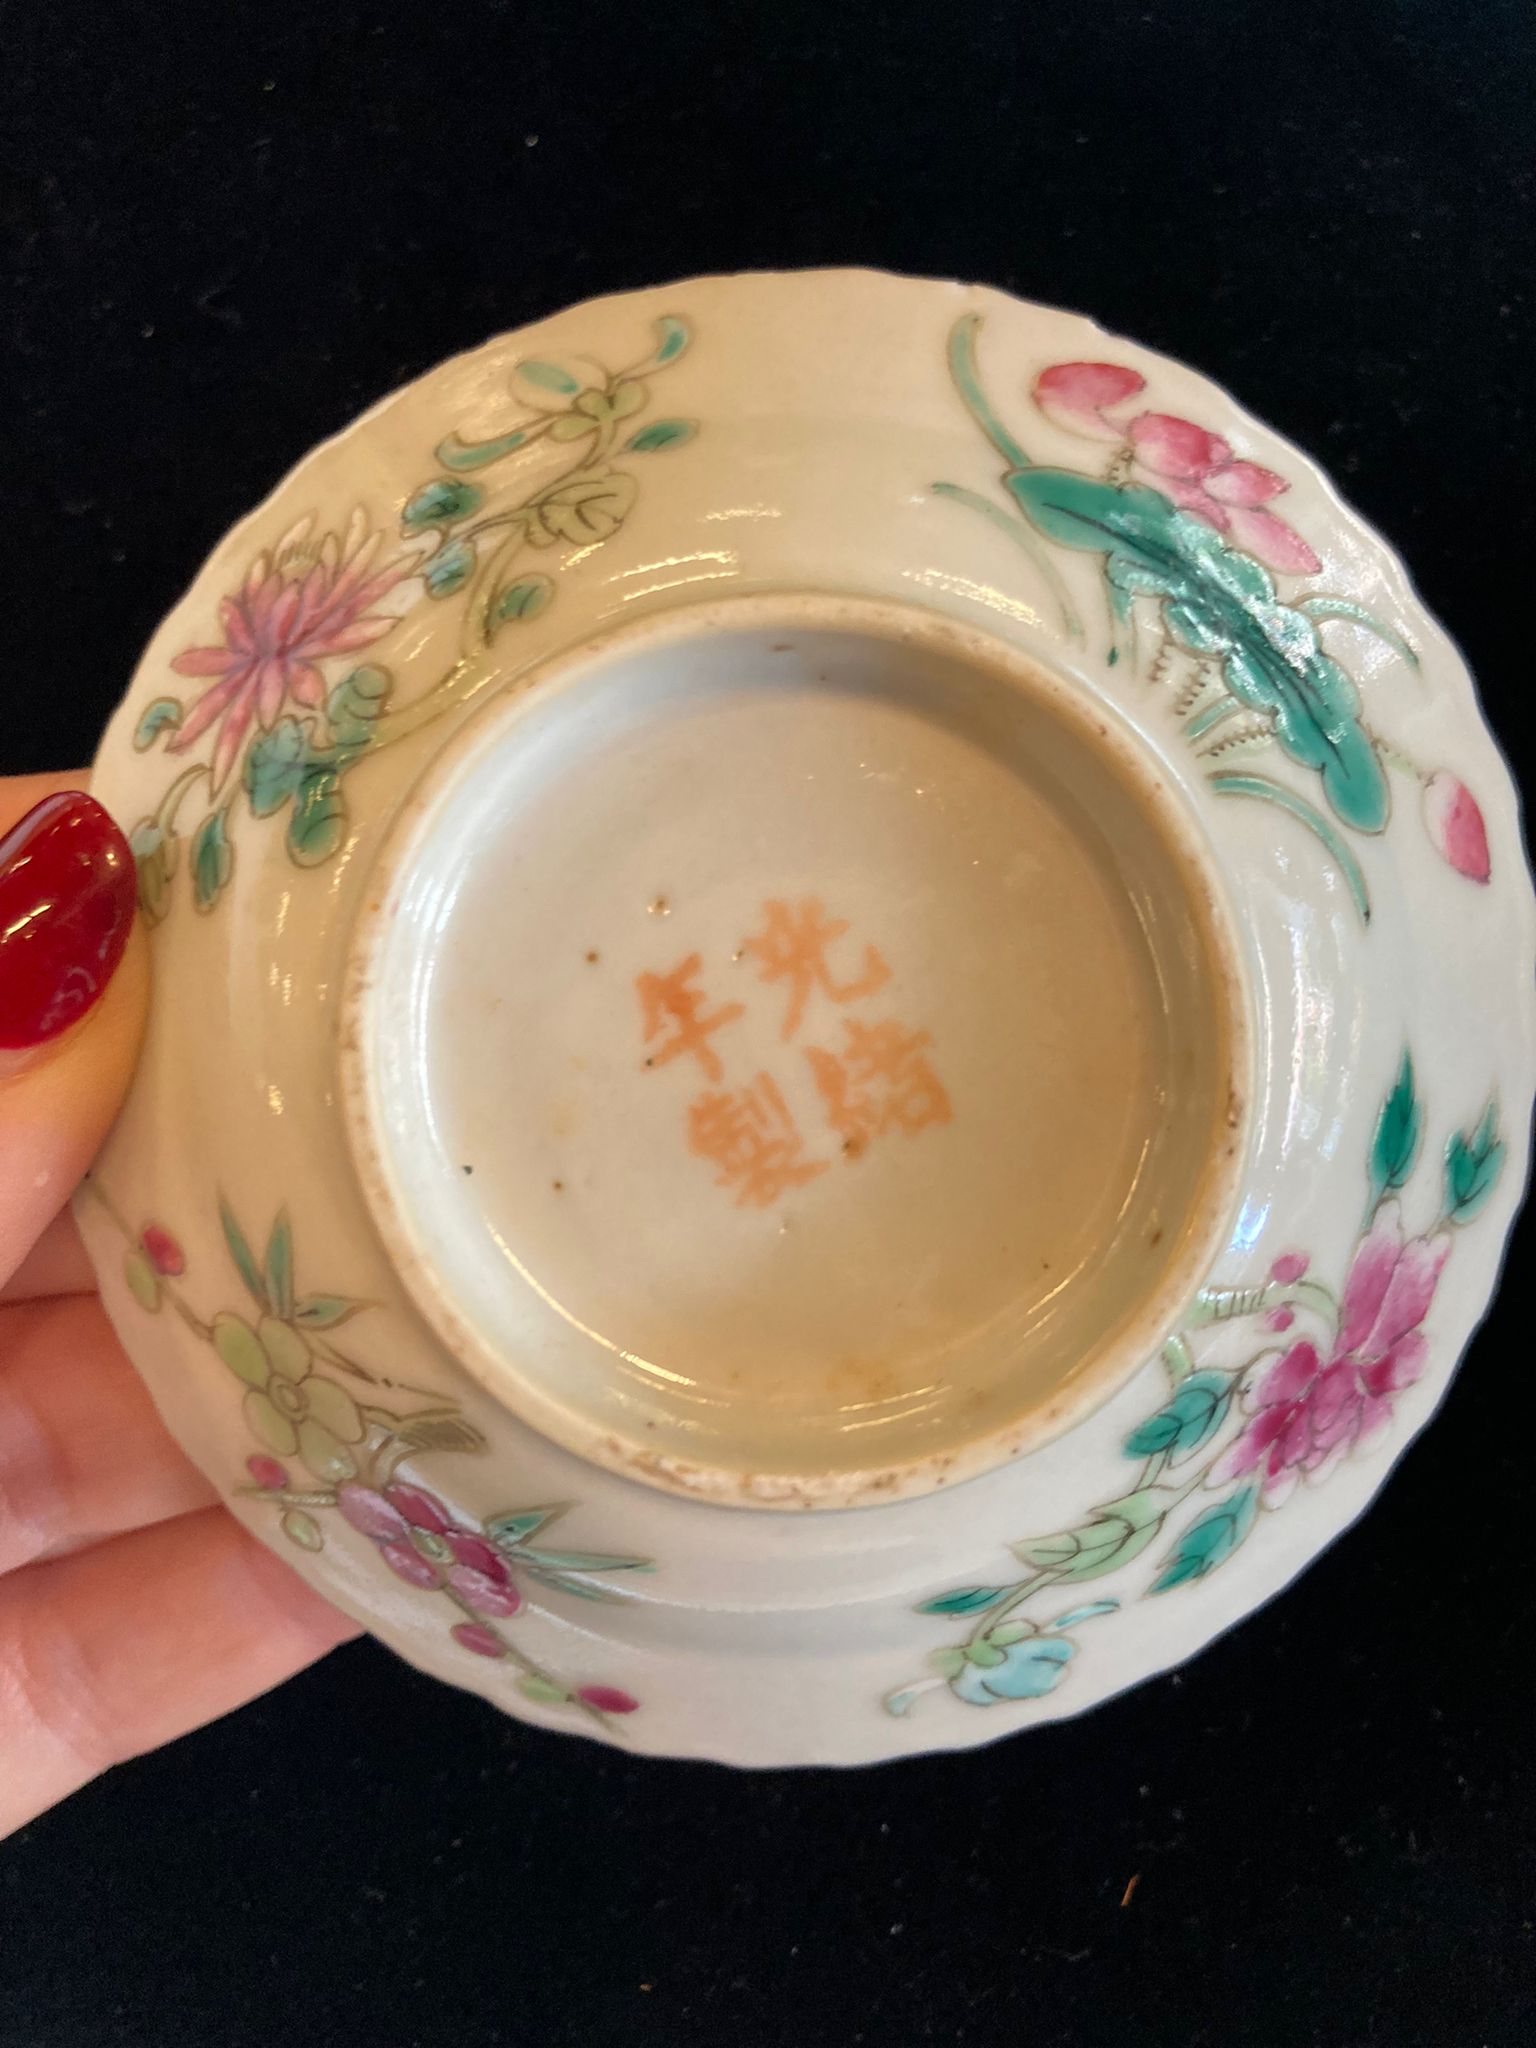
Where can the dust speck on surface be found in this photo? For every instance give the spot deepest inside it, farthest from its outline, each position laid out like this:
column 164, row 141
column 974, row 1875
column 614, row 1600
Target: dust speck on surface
column 592, row 956
column 659, row 906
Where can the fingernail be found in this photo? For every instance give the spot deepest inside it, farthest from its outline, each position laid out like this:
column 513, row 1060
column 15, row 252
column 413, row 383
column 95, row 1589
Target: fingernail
column 67, row 891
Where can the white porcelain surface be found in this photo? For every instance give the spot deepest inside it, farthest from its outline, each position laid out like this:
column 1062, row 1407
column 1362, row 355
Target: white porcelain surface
column 862, row 436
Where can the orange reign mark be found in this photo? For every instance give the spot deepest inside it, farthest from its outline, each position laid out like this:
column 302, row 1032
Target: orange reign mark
column 879, row 1083
column 793, row 947
column 750, row 1135
column 670, row 999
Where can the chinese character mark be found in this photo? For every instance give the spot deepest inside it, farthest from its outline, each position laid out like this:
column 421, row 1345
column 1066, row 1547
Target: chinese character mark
column 671, row 1002
column 793, row 947
column 750, row 1136
column 879, row 1082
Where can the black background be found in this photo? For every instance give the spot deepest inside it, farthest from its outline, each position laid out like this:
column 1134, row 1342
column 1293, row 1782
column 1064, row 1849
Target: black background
column 227, row 231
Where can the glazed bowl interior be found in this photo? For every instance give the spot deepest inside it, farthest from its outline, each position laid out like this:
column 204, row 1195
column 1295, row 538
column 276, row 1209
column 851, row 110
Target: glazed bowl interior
column 795, row 1052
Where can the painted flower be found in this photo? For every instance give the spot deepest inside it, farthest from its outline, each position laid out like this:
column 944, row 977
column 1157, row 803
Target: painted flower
column 1195, row 469
column 1308, row 1410
column 300, row 604
column 288, row 1405
column 1077, row 397
column 1455, row 826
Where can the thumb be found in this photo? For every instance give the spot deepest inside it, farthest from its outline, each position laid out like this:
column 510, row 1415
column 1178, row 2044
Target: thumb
column 74, row 982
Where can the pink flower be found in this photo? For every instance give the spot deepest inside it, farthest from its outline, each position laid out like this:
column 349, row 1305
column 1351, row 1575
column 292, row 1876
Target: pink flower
column 1076, row 396
column 483, row 1641
column 1196, row 469
column 1289, row 1268
column 1455, row 826
column 267, row 1473
column 1309, row 1411
column 298, row 606
column 162, row 1251
column 607, row 1699
column 1198, row 472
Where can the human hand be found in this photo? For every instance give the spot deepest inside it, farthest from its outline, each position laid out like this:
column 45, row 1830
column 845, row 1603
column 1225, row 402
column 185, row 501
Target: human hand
column 132, row 1607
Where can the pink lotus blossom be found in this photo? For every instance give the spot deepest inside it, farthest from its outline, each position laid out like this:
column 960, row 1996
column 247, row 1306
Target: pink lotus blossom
column 1194, row 468
column 1455, row 826
column 1199, row 472
column 1308, row 1411
column 1076, row 396
column 299, row 605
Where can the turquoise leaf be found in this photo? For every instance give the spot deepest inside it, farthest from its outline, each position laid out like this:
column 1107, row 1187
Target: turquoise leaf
column 1209, row 1540
column 1221, row 603
column 1399, row 1128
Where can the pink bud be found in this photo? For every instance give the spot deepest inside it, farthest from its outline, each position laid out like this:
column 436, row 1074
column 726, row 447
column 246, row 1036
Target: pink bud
column 477, row 1554
column 421, row 1509
column 607, row 1699
column 1279, row 1319
column 1455, row 826
column 162, row 1251
column 481, row 1640
column 406, row 1564
column 1289, row 1268
column 267, row 1473
column 484, row 1594
column 1075, row 396
column 369, row 1512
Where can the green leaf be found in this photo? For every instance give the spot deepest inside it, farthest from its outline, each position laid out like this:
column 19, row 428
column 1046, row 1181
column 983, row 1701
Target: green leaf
column 213, row 859
column 661, row 434
column 964, row 1600
column 154, row 851
column 983, row 1654
column 449, row 569
column 318, row 823
column 143, row 1281
column 522, row 600
column 549, row 377
column 578, row 1589
column 461, row 455
column 440, row 503
column 352, row 707
column 673, row 338
column 442, row 1431
column 279, row 1268
column 302, row 1529
column 543, row 1691
column 1186, row 1422
column 585, row 509
column 948, row 1663
column 1341, row 608
column 1260, row 787
column 244, row 1258
column 325, row 1311
column 1178, row 1359
column 1220, row 602
column 1113, row 1535
column 1473, row 1162
column 274, row 766
column 585, row 1561
column 163, row 715
column 1399, row 1129
column 1209, row 1540
column 508, row 1530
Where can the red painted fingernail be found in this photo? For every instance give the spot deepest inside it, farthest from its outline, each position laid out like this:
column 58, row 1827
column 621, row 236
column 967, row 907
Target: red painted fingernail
column 67, row 890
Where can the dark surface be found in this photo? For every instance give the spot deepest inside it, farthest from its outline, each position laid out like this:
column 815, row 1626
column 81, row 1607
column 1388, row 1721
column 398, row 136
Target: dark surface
column 228, row 232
